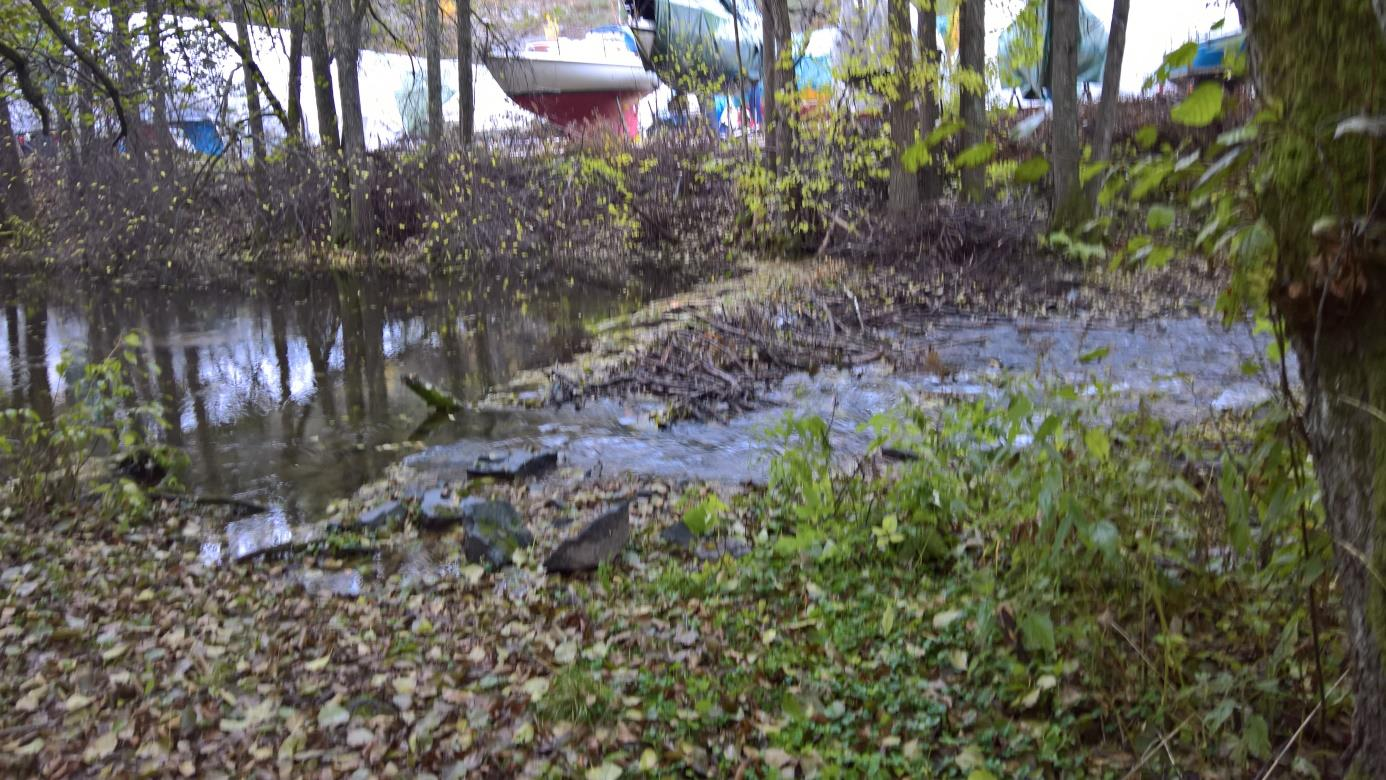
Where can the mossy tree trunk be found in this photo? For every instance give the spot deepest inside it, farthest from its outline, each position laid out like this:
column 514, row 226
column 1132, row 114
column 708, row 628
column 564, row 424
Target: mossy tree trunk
column 1320, row 60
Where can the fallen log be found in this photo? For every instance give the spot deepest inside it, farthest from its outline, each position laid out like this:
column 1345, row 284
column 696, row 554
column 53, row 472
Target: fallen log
column 432, row 395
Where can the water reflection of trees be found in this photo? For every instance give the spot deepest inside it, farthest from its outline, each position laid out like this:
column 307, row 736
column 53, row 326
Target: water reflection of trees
column 300, row 382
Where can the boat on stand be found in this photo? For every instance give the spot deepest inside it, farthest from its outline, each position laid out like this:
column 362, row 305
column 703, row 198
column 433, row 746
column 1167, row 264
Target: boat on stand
column 594, row 82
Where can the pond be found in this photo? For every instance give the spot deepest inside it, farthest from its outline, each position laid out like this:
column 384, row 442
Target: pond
column 293, row 394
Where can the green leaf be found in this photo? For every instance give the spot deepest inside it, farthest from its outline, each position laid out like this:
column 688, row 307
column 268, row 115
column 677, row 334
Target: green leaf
column 1095, row 355
column 1159, row 217
column 1095, row 439
column 942, row 133
column 977, row 154
column 1087, row 171
column 1037, row 632
column 915, row 156
column 1257, row 737
column 1104, row 536
column 1183, row 56
column 1200, row 108
column 1032, row 170
column 1159, row 257
column 1147, row 136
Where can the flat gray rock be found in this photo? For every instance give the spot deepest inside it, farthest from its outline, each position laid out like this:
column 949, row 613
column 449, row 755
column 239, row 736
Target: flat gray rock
column 594, row 545
column 514, row 464
column 381, row 514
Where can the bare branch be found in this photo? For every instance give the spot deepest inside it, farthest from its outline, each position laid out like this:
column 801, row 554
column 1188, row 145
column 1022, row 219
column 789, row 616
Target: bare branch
column 31, row 93
column 107, row 85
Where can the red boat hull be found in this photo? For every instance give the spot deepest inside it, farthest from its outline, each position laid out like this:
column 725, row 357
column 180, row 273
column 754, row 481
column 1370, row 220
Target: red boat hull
column 612, row 111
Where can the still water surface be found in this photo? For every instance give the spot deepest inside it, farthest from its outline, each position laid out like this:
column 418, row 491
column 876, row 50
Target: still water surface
column 293, row 395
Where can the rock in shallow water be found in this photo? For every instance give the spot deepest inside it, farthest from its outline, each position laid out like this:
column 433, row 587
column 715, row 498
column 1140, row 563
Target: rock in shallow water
column 511, row 465
column 596, row 544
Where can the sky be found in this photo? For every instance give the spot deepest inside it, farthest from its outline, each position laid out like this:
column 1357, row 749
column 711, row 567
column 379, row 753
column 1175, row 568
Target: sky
column 1154, row 28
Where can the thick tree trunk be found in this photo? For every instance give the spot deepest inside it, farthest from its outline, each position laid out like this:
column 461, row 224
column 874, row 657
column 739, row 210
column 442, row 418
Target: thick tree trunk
column 294, row 112
column 930, row 183
column 466, row 87
column 15, row 200
column 252, row 90
column 347, row 18
column 904, row 185
column 1068, row 204
column 156, row 74
column 433, row 57
column 1111, row 93
column 972, row 103
column 1339, row 326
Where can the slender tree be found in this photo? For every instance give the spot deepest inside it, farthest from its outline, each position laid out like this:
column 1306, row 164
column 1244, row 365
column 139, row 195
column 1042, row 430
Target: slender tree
column 973, row 93
column 930, row 183
column 1068, row 202
column 1321, row 193
column 320, row 58
column 294, row 112
column 15, row 200
column 466, row 87
column 433, row 55
column 1111, row 93
column 252, row 89
column 904, row 185
column 156, row 74
column 347, row 20
column 127, row 78
column 777, row 76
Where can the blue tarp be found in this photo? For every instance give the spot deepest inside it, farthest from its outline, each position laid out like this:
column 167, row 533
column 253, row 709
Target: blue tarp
column 203, row 136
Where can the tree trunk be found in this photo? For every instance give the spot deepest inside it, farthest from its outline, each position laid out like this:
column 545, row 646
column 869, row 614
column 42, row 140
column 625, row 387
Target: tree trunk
column 127, row 77
column 252, row 90
column 904, row 185
column 156, row 74
column 1111, row 94
column 777, row 70
column 294, row 113
column 1068, row 203
column 15, row 200
column 770, row 110
column 433, row 56
column 972, row 102
column 930, row 183
column 320, row 58
column 347, row 18
column 1339, row 328
column 466, row 87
